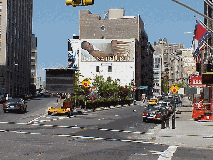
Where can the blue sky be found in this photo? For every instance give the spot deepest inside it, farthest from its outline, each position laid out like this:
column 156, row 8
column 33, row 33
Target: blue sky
column 54, row 23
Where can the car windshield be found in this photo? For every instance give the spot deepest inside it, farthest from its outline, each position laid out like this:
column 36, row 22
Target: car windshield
column 14, row 101
column 164, row 104
column 151, row 108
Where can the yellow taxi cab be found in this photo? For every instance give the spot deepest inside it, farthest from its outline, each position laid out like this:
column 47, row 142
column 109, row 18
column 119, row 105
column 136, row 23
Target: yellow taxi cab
column 153, row 101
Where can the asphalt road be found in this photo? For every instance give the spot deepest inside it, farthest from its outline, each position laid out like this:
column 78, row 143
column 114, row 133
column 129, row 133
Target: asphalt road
column 81, row 137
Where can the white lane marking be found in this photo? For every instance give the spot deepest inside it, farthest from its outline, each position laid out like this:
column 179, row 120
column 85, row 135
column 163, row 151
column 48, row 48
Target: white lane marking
column 167, row 154
column 36, row 119
column 138, row 141
column 81, row 137
column 115, row 130
column 126, row 140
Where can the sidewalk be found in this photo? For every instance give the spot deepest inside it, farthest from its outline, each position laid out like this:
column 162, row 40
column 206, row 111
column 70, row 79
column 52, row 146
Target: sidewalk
column 188, row 133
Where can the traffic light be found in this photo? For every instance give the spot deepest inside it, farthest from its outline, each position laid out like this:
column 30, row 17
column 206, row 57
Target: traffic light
column 88, row 2
column 75, row 3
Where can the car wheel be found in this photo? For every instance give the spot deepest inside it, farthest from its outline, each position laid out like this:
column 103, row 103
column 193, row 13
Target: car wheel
column 144, row 120
column 22, row 109
column 25, row 110
column 5, row 111
column 70, row 113
column 49, row 113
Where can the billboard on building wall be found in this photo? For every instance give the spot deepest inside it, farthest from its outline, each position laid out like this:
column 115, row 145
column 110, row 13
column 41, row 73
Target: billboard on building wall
column 100, row 50
column 107, row 50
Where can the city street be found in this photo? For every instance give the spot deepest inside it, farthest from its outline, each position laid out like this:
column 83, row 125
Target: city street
column 106, row 81
column 116, row 133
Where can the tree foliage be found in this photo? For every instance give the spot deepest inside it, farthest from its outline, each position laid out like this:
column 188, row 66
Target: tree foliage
column 102, row 89
column 182, row 85
column 108, row 88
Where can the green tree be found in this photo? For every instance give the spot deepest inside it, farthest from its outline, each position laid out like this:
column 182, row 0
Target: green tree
column 164, row 86
column 124, row 92
column 182, row 85
column 106, row 89
column 79, row 91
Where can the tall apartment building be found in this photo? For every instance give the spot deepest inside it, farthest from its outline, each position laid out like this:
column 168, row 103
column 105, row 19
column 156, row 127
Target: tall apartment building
column 175, row 67
column 15, row 51
column 188, row 65
column 33, row 64
column 116, row 25
column 33, row 60
column 38, row 82
column 157, row 74
column 163, row 48
column 169, row 53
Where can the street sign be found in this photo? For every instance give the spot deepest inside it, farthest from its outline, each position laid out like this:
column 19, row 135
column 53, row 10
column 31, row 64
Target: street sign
column 143, row 87
column 85, row 82
column 196, row 80
column 174, row 88
column 181, row 91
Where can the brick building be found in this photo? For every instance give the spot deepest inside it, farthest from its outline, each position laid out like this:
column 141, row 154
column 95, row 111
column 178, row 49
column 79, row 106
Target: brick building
column 116, row 25
column 207, row 54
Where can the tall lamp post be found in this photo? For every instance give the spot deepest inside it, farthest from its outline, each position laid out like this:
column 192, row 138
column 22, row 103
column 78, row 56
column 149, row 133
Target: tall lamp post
column 15, row 67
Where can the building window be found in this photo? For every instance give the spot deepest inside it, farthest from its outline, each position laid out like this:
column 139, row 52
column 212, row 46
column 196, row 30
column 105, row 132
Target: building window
column 32, row 60
column 33, row 54
column 103, row 28
column 158, row 60
column 0, row 6
column 156, row 66
column 97, row 68
column 109, row 68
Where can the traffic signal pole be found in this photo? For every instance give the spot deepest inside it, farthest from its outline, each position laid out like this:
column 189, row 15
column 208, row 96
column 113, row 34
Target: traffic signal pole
column 182, row 4
column 75, row 3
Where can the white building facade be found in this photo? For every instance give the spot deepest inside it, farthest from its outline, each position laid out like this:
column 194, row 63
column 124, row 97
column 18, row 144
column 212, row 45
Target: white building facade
column 189, row 64
column 157, row 67
column 114, row 58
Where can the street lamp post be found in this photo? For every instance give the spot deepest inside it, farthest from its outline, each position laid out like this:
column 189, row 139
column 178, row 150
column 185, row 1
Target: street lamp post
column 15, row 67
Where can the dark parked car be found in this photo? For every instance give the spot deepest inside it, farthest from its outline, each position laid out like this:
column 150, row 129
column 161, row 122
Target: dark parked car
column 16, row 104
column 168, row 106
column 154, row 113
